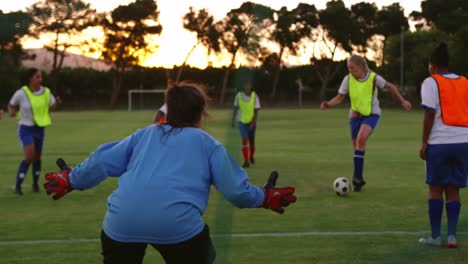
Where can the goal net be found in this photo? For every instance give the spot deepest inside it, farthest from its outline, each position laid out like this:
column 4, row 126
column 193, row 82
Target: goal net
column 145, row 99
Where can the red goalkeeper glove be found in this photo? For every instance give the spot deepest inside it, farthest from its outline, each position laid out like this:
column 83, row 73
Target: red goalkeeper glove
column 277, row 198
column 58, row 183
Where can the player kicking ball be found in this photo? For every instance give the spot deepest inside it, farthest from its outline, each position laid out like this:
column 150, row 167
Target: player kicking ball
column 165, row 172
column 361, row 85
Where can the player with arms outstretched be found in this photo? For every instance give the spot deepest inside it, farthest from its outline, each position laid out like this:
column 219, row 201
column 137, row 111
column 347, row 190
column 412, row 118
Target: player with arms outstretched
column 165, row 172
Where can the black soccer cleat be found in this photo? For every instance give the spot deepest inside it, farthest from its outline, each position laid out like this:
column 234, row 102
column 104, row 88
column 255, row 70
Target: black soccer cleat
column 17, row 190
column 358, row 185
column 35, row 188
column 252, row 161
column 246, row 164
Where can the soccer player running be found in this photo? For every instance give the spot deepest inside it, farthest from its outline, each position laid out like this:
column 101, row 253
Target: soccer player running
column 444, row 143
column 248, row 103
column 365, row 111
column 34, row 102
column 165, row 172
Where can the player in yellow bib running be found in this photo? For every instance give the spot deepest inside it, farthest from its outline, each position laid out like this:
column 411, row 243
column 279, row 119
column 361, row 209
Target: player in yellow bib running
column 248, row 103
column 360, row 84
column 34, row 102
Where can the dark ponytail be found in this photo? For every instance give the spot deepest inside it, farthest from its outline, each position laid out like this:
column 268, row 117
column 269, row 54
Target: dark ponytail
column 440, row 55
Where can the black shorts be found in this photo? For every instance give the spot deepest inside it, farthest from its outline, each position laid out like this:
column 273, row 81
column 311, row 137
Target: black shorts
column 197, row 250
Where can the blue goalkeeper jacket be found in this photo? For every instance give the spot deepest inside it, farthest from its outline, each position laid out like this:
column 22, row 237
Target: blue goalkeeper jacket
column 164, row 183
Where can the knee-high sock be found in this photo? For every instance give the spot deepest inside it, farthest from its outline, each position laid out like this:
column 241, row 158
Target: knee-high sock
column 453, row 211
column 358, row 164
column 36, row 170
column 245, row 152
column 436, row 207
column 22, row 170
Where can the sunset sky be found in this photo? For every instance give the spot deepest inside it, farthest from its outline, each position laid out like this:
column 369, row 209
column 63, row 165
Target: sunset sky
column 175, row 42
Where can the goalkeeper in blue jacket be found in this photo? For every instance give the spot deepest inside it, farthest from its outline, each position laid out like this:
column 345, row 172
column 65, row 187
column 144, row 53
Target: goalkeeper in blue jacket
column 165, row 172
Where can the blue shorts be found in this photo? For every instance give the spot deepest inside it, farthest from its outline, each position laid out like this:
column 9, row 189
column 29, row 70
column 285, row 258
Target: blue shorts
column 245, row 131
column 447, row 164
column 31, row 135
column 356, row 122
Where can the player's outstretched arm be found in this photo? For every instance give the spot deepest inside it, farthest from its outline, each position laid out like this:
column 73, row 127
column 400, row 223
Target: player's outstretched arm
column 338, row 99
column 276, row 198
column 58, row 183
column 232, row 181
column 394, row 91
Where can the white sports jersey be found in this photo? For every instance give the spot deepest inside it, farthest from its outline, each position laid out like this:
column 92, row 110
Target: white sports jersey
column 440, row 133
column 380, row 82
column 20, row 98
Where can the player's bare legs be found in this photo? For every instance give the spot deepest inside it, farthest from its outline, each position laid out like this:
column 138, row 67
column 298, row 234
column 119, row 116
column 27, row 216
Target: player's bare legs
column 361, row 141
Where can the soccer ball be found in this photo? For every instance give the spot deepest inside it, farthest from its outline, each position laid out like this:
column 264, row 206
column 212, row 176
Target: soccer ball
column 341, row 186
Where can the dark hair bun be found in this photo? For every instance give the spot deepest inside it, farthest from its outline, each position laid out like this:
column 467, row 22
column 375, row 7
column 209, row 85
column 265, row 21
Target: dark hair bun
column 442, row 48
column 440, row 55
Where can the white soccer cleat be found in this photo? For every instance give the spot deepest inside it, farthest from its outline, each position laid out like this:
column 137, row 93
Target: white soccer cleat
column 451, row 241
column 430, row 241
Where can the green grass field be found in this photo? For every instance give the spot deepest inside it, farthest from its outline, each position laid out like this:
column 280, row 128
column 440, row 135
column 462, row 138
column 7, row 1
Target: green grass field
column 309, row 148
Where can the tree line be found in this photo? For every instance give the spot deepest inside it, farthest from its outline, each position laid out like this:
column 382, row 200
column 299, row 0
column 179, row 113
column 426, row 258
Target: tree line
column 256, row 38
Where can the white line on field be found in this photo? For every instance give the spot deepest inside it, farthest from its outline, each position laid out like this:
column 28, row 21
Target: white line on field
column 286, row 234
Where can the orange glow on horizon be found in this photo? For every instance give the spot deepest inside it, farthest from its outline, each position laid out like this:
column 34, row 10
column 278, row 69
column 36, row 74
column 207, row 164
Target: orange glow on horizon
column 175, row 42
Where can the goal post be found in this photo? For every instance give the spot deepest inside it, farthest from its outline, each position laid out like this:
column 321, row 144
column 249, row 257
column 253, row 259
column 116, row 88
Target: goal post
column 131, row 92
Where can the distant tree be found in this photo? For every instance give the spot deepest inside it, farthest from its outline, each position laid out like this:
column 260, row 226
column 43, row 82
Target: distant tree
column 290, row 28
column 446, row 16
column 63, row 19
column 365, row 15
column 201, row 22
column 125, row 44
column 450, row 18
column 390, row 20
column 418, row 46
column 241, row 31
column 338, row 29
column 458, row 54
column 13, row 26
